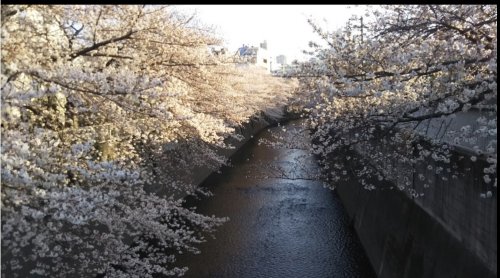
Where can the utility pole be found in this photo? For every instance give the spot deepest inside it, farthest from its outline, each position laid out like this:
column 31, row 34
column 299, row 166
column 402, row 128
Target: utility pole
column 363, row 61
column 361, row 28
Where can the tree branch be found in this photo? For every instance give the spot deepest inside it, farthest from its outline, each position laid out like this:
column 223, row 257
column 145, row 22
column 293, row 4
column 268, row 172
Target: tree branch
column 97, row 45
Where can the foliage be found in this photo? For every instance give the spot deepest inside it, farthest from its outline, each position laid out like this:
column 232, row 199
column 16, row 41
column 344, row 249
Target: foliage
column 408, row 84
column 98, row 103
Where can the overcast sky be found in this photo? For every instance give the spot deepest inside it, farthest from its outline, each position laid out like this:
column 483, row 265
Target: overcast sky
column 284, row 27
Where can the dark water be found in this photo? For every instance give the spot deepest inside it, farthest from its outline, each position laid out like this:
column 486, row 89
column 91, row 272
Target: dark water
column 282, row 222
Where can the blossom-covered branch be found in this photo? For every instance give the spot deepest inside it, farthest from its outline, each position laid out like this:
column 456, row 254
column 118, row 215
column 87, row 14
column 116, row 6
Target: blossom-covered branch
column 405, row 74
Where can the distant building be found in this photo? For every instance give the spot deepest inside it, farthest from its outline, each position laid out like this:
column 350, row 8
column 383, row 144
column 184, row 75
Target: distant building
column 281, row 59
column 263, row 45
column 257, row 56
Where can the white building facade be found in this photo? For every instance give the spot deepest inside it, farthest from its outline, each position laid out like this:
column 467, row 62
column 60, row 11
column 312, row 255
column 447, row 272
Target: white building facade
column 256, row 56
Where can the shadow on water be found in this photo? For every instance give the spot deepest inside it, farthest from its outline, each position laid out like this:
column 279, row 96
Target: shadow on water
column 282, row 222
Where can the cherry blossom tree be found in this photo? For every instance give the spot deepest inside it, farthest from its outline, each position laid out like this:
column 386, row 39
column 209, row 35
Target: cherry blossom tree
column 401, row 85
column 101, row 105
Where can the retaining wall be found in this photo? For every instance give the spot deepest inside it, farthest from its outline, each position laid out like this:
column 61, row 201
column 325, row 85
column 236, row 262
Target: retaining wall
column 450, row 231
column 195, row 175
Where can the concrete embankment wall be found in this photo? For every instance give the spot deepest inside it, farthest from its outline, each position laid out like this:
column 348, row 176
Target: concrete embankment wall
column 257, row 123
column 195, row 175
column 450, row 231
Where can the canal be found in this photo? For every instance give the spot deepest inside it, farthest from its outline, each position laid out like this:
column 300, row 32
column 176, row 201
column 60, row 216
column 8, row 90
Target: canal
column 283, row 222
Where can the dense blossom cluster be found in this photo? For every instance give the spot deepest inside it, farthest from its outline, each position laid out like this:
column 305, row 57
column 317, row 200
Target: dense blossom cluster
column 405, row 84
column 98, row 103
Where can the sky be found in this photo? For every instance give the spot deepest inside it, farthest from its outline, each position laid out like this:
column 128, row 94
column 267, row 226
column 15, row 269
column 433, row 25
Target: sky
column 284, row 27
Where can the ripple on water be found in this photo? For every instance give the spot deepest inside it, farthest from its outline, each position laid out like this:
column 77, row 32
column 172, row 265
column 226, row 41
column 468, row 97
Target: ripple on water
column 279, row 227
